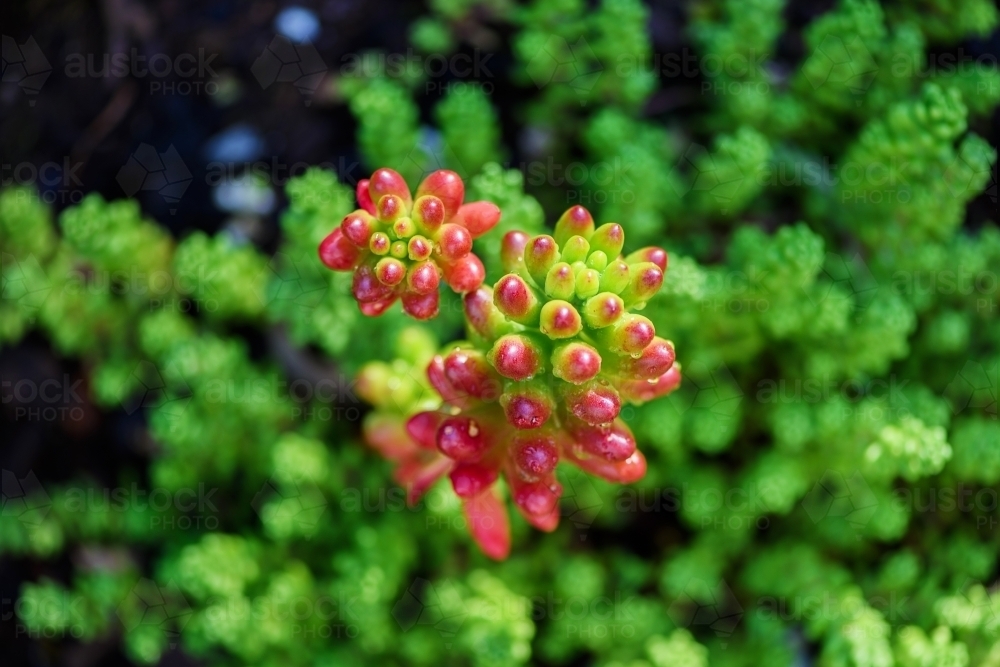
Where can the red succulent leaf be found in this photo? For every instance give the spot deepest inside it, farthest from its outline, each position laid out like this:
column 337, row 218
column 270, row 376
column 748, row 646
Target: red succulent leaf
column 462, row 438
column 628, row 471
column 419, row 474
column 488, row 523
column 454, row 242
column 443, row 386
column 464, row 275
column 478, row 217
column 515, row 357
column 535, row 455
column 423, row 428
column 527, row 410
column 512, row 250
column 594, row 403
column 652, row 254
column 423, row 278
column 470, row 479
column 576, row 362
column 611, row 442
column 364, row 198
column 468, row 371
column 448, row 187
column 421, row 306
column 388, row 434
column 337, row 252
column 357, row 227
column 376, row 308
column 641, row 391
column 388, row 182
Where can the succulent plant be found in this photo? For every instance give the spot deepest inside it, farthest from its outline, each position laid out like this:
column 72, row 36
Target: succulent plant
column 400, row 246
column 553, row 352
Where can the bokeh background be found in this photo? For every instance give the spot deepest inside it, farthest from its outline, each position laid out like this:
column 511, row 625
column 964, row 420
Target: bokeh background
column 229, row 128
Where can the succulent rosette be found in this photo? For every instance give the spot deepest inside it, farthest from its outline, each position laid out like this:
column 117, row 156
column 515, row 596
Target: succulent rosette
column 553, row 353
column 400, row 246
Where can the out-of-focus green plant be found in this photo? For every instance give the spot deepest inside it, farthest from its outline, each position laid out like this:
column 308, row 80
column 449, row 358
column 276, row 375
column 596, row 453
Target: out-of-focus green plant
column 820, row 490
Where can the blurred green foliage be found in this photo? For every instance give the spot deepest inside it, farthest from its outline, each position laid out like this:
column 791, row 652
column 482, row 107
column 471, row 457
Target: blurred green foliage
column 823, row 484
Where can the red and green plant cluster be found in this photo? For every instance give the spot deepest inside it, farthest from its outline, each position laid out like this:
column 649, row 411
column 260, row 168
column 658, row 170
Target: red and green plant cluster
column 552, row 352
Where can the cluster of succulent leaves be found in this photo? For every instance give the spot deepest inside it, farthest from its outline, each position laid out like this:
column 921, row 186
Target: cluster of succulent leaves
column 840, row 370
column 552, row 352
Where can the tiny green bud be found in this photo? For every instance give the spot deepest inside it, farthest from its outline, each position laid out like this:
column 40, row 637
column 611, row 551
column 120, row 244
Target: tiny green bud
column 615, row 278
column 597, row 261
column 560, row 282
column 609, row 239
column 575, row 249
column 588, row 283
column 540, row 253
